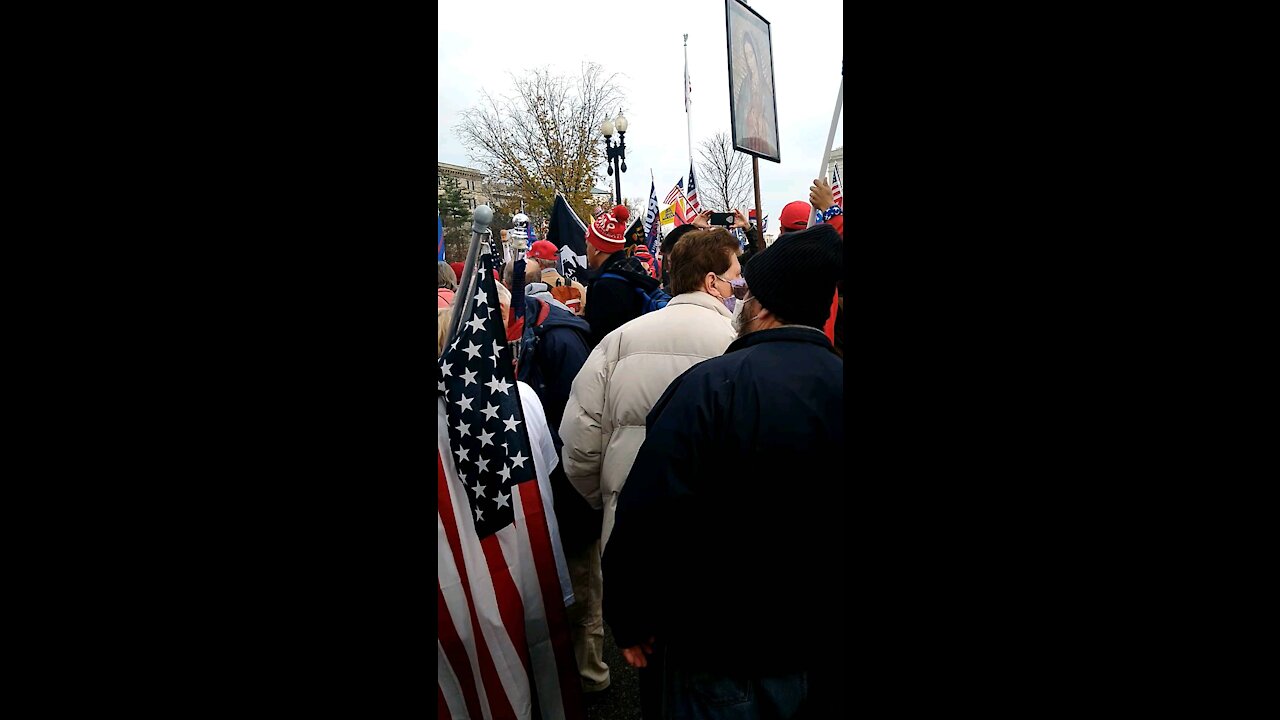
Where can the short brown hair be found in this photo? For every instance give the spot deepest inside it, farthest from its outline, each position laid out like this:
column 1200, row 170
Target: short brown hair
column 445, row 277
column 698, row 253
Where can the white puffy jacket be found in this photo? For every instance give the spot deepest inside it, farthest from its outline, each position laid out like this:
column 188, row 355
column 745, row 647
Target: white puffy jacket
column 603, row 425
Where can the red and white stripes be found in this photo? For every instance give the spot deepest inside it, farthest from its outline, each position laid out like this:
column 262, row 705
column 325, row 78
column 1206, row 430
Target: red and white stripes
column 504, row 640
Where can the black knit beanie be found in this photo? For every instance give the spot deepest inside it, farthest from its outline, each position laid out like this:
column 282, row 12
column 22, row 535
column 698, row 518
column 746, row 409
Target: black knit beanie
column 796, row 276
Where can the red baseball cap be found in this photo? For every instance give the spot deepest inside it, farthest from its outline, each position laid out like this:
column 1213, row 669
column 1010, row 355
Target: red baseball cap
column 542, row 250
column 795, row 216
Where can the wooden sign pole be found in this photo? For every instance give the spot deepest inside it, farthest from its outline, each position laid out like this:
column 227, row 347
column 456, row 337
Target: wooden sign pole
column 755, row 170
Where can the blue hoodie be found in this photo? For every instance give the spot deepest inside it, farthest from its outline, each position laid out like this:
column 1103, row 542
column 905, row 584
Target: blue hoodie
column 552, row 352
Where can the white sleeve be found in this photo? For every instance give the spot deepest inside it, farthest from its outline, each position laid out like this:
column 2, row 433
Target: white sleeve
column 544, row 461
column 539, row 432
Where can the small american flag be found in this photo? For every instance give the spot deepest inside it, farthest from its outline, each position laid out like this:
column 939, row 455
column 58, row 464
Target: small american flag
column 504, row 644
column 835, row 186
column 676, row 192
column 676, row 200
column 693, row 194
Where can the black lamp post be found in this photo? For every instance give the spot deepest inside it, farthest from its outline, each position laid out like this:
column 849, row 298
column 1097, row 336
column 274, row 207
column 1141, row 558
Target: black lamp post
column 616, row 155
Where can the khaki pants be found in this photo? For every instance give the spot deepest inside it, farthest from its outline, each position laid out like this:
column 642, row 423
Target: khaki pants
column 586, row 619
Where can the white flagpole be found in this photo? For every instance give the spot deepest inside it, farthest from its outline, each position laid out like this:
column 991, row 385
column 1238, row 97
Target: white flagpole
column 831, row 137
column 688, row 117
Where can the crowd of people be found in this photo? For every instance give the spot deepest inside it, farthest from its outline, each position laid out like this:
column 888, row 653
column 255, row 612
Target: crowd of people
column 697, row 495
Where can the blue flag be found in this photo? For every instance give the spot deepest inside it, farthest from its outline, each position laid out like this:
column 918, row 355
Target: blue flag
column 651, row 221
column 440, row 238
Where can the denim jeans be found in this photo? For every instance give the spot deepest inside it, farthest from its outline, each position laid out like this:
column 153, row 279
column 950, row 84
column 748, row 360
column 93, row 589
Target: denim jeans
column 710, row 696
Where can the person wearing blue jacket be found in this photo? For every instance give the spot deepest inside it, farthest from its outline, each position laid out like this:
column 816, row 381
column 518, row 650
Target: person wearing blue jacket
column 724, row 564
column 553, row 350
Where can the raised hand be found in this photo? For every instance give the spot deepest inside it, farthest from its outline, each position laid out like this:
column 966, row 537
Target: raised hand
column 820, row 194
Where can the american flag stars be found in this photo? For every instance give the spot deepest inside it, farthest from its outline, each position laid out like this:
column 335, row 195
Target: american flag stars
column 486, row 429
column 499, row 386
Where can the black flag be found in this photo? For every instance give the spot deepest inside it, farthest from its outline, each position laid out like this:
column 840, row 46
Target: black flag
column 566, row 229
column 635, row 235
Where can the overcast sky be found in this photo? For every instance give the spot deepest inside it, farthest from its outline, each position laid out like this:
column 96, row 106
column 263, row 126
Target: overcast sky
column 512, row 35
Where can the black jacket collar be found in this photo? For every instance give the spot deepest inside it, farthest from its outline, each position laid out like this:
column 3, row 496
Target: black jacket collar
column 786, row 333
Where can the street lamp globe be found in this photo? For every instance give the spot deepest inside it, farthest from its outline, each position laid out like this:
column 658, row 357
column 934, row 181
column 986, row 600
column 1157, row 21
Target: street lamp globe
column 621, row 122
column 607, row 128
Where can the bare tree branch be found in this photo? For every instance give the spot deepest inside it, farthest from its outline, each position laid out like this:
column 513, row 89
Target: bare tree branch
column 724, row 176
column 544, row 138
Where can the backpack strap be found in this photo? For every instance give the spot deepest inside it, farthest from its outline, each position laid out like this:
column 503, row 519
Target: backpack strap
column 644, row 296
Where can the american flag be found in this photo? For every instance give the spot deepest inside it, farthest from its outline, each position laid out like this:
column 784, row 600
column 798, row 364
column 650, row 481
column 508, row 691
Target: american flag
column 676, row 192
column 835, row 186
column 693, row 194
column 676, row 199
column 504, row 649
